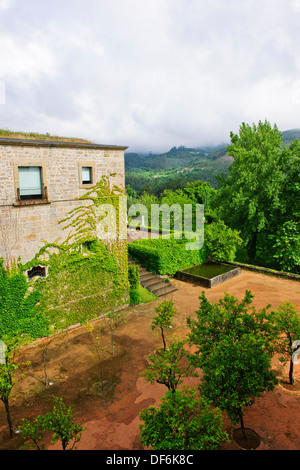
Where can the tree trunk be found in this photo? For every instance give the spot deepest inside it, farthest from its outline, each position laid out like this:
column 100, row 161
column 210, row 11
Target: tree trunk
column 163, row 338
column 242, row 427
column 9, row 420
column 291, row 372
column 45, row 368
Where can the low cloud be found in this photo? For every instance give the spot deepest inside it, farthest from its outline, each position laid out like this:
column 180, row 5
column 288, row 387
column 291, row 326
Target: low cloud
column 154, row 75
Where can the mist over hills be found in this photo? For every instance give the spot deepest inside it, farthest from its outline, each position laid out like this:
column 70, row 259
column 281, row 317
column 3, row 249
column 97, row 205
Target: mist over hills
column 180, row 157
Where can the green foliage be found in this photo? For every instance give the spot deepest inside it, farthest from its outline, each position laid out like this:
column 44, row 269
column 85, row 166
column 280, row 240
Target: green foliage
column 165, row 312
column 8, row 367
column 261, row 193
column 286, row 247
column 60, row 422
column 287, row 322
column 235, row 343
column 182, row 422
column 134, row 283
column 19, row 312
column 87, row 276
column 221, row 241
column 133, row 276
column 134, row 297
column 216, row 320
column 33, row 432
column 236, row 371
column 165, row 256
column 166, row 366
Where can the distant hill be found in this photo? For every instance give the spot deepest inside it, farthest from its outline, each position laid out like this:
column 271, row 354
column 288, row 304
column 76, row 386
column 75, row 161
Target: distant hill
column 290, row 135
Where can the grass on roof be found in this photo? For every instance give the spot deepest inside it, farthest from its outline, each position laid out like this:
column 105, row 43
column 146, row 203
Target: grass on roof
column 35, row 136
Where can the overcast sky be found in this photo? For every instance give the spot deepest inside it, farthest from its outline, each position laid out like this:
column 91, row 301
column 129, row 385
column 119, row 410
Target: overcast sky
column 149, row 74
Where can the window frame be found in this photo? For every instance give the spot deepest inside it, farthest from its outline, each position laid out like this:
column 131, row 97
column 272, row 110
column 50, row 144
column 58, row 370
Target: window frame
column 90, row 165
column 44, row 199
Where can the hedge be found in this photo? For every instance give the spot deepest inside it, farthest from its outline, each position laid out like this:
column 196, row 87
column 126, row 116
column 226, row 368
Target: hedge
column 165, row 256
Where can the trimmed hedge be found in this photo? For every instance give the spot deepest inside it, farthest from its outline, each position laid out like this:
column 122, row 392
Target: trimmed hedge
column 165, row 256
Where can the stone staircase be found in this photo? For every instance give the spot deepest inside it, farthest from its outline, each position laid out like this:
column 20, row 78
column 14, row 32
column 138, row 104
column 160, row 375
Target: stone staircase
column 153, row 282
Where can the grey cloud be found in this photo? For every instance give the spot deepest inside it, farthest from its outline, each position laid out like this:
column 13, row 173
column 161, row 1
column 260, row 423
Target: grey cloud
column 150, row 75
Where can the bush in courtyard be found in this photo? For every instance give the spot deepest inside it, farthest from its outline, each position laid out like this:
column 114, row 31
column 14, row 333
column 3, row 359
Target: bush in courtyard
column 166, row 256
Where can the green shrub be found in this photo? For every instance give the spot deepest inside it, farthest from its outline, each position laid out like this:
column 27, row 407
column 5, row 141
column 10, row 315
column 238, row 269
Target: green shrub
column 19, row 312
column 133, row 276
column 134, row 297
column 165, row 256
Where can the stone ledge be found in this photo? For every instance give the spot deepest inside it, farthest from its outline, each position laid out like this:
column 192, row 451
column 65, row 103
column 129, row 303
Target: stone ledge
column 30, row 203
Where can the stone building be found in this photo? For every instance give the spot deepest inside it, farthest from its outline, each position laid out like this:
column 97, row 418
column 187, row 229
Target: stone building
column 40, row 182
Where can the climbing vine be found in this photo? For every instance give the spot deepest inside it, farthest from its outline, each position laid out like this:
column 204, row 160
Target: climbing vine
column 86, row 275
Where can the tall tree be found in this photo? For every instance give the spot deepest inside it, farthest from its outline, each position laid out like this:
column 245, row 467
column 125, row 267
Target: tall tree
column 251, row 197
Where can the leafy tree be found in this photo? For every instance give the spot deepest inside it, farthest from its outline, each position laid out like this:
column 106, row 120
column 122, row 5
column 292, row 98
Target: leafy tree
column 60, row 422
column 287, row 321
column 165, row 311
column 221, row 241
column 229, row 316
column 286, row 246
column 200, row 192
column 235, row 372
column 8, row 367
column 33, row 432
column 182, row 422
column 251, row 196
column 170, row 366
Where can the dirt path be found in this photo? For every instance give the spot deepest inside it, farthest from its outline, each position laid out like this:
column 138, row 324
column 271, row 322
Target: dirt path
column 110, row 416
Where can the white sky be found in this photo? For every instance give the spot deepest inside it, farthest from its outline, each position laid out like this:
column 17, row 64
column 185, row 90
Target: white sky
column 149, row 74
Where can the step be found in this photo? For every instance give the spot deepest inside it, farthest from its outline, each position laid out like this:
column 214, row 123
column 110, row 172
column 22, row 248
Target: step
column 153, row 281
column 146, row 276
column 155, row 287
column 164, row 290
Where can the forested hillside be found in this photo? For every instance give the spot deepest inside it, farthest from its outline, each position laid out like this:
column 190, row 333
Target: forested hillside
column 153, row 173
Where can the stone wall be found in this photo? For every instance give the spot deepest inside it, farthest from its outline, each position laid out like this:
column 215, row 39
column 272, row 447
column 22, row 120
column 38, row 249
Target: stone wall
column 24, row 227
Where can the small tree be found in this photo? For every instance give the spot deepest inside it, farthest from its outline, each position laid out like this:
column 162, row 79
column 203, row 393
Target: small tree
column 165, row 311
column 8, row 379
column 287, row 321
column 114, row 320
column 230, row 316
column 33, row 433
column 95, row 331
column 235, row 372
column 182, row 422
column 167, row 368
column 221, row 241
column 60, row 422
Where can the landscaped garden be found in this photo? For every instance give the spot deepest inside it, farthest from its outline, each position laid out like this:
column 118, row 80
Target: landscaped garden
column 117, row 368
column 109, row 394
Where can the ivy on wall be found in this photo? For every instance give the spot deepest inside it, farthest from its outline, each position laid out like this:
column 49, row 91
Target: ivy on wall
column 86, row 276
column 19, row 312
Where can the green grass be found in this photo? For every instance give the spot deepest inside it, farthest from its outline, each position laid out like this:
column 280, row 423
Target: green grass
column 146, row 296
column 35, row 136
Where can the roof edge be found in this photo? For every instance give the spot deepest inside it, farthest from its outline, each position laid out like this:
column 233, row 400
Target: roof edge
column 57, row 144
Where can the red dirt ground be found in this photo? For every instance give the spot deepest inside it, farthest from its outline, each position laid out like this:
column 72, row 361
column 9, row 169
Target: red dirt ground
column 110, row 417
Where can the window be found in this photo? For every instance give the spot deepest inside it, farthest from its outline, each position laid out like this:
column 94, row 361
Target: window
column 37, row 271
column 30, row 183
column 86, row 175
